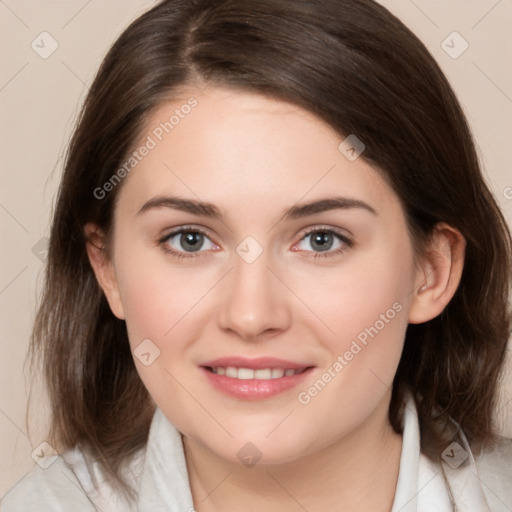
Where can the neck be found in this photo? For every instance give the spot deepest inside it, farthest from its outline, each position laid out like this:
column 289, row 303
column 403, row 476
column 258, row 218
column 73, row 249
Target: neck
column 358, row 472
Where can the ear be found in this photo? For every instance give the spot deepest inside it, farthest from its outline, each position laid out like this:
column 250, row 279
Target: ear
column 439, row 274
column 103, row 268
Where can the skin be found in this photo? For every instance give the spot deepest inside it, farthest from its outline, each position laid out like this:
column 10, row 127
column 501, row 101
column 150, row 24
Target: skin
column 255, row 157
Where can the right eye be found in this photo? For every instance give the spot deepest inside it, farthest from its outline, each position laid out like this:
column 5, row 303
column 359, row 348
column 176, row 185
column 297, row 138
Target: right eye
column 184, row 242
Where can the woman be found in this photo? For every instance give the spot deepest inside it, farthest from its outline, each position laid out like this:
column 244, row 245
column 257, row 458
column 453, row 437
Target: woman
column 276, row 278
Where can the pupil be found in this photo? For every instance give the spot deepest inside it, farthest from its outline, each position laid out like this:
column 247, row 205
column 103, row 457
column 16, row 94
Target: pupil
column 191, row 241
column 322, row 241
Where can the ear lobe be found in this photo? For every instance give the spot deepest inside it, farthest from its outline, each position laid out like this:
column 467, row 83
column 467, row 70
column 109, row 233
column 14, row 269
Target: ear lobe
column 103, row 268
column 439, row 275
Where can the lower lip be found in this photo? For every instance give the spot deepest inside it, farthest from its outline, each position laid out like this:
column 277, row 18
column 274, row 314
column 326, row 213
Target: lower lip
column 254, row 389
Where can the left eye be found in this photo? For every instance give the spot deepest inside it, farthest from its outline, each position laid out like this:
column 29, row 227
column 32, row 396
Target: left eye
column 189, row 241
column 322, row 241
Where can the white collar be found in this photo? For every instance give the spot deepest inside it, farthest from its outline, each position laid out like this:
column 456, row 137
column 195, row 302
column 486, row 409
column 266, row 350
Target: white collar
column 421, row 485
column 164, row 483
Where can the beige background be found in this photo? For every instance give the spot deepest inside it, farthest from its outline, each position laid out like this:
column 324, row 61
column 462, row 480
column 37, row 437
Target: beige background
column 39, row 101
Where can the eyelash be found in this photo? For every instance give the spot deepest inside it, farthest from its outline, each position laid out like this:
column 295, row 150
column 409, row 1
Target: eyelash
column 347, row 242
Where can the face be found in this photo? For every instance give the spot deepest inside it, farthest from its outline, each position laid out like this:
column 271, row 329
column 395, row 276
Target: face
column 270, row 276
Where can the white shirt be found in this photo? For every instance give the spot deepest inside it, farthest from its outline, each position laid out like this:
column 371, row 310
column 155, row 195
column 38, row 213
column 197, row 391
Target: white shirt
column 74, row 482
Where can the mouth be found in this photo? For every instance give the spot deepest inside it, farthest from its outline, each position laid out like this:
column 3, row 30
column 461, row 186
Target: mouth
column 249, row 373
column 254, row 379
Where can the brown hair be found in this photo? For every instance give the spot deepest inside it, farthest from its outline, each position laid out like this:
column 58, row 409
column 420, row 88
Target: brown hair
column 363, row 72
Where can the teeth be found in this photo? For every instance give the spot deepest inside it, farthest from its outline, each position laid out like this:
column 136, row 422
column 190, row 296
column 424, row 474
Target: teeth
column 260, row 374
column 263, row 374
column 277, row 373
column 245, row 374
column 231, row 372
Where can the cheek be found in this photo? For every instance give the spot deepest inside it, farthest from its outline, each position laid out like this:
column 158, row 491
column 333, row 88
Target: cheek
column 365, row 292
column 369, row 321
column 365, row 304
column 168, row 306
column 157, row 294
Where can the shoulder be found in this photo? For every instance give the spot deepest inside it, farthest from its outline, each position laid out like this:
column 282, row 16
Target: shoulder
column 72, row 481
column 494, row 465
column 54, row 489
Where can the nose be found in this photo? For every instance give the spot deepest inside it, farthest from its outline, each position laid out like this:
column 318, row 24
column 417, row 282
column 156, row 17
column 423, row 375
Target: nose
column 254, row 304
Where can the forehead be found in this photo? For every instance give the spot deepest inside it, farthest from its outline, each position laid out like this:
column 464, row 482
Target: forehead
column 244, row 151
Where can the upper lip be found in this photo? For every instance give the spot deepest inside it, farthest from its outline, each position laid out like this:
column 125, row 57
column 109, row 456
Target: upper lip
column 255, row 364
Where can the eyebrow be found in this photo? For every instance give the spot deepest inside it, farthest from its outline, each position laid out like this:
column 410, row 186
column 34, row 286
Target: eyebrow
column 323, row 205
column 184, row 205
column 295, row 212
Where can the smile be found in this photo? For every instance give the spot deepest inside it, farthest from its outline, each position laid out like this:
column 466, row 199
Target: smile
column 260, row 374
column 254, row 379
